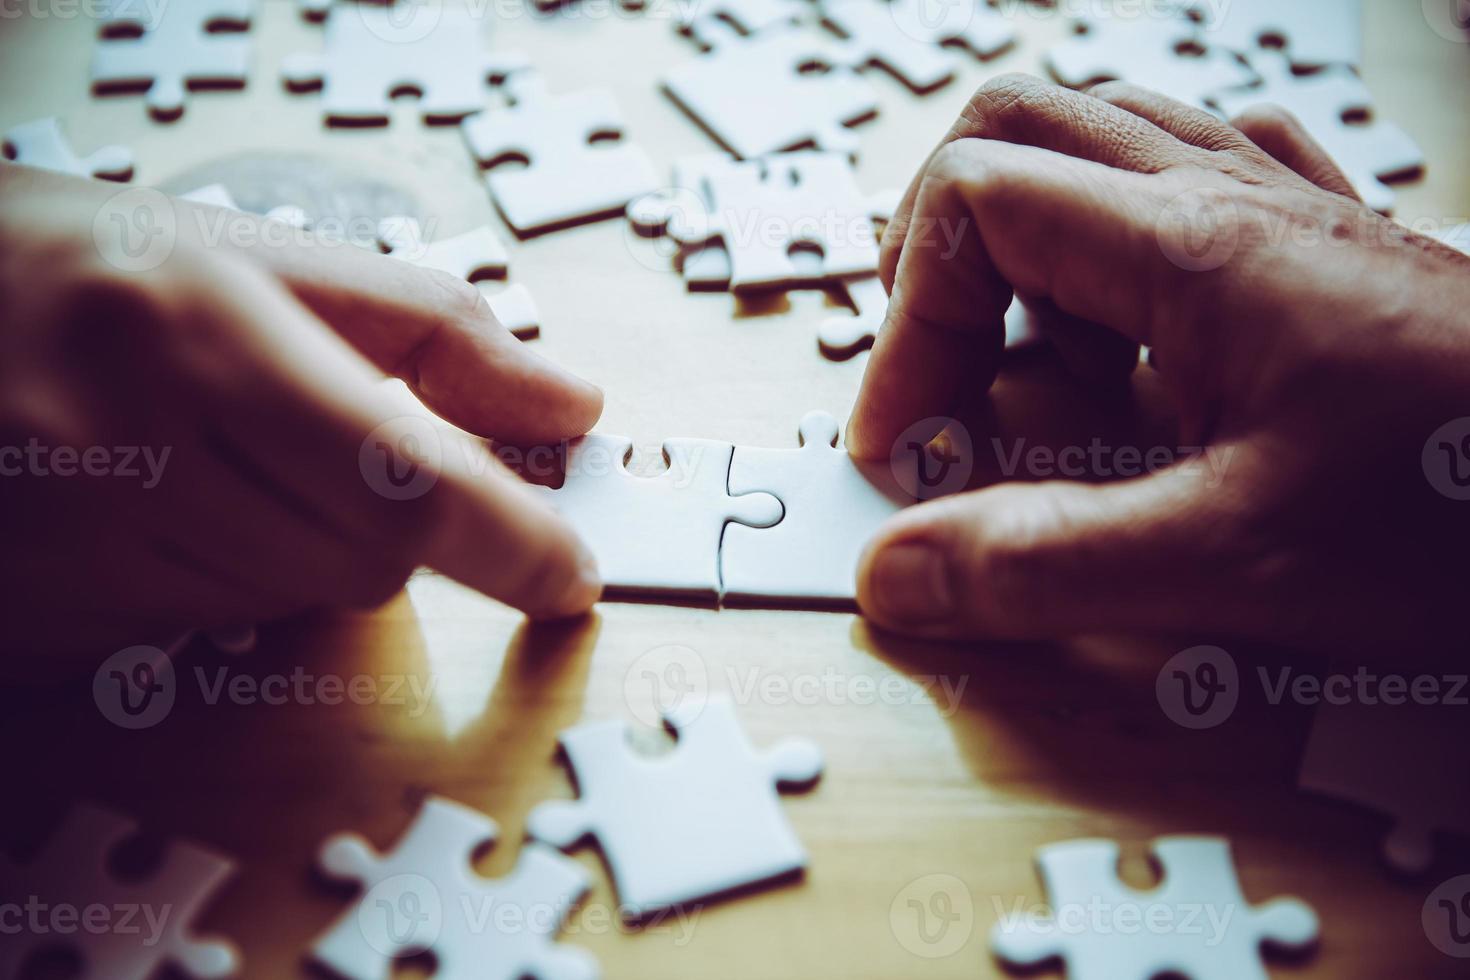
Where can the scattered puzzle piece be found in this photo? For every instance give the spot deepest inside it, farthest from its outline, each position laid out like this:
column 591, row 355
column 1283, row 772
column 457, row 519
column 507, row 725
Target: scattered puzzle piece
column 424, row 896
column 1198, row 923
column 1325, row 102
column 516, row 310
column 41, row 143
column 1154, row 52
column 71, row 871
column 576, row 168
column 707, row 21
column 831, row 505
column 777, row 90
column 372, row 51
column 473, row 255
column 170, row 47
column 656, row 534
column 843, row 336
column 1400, row 760
column 1312, row 32
column 905, row 36
column 690, row 825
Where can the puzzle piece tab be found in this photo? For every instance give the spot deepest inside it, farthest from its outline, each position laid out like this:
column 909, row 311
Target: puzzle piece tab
column 1158, row 53
column 71, row 871
column 905, row 36
column 41, row 143
column 1199, row 887
column 1328, row 104
column 656, row 535
column 843, row 336
column 576, row 167
column 473, row 255
column 424, row 896
column 709, row 21
column 832, row 504
column 167, row 48
column 777, row 90
column 1313, row 33
column 372, row 51
column 1402, row 760
column 693, row 824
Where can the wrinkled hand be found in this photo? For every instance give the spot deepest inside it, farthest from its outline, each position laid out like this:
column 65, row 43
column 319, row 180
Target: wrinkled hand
column 204, row 437
column 1315, row 347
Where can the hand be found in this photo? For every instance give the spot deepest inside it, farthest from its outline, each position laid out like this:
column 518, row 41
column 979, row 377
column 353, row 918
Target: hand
column 205, row 442
column 1312, row 345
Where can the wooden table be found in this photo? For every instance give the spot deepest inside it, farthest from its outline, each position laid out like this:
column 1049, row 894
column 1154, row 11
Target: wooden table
column 922, row 794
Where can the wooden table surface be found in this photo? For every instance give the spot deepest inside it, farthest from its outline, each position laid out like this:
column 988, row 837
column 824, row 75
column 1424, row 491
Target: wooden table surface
column 946, row 765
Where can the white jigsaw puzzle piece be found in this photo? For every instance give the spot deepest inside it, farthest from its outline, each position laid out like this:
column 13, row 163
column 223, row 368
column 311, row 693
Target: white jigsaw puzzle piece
column 1313, row 33
column 693, row 824
column 178, row 45
column 1158, row 53
column 1198, row 881
column 473, row 255
column 843, row 336
column 516, row 309
column 71, row 871
column 762, row 94
column 832, row 504
column 657, row 534
column 906, row 36
column 371, row 50
column 576, row 166
column 707, row 21
column 424, row 896
column 1397, row 759
column 41, row 143
column 1324, row 102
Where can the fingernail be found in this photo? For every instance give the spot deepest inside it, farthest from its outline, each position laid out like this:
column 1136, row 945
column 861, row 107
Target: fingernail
column 909, row 583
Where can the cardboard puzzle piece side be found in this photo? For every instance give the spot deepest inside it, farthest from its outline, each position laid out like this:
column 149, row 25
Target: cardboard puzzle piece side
column 1154, row 52
column 371, row 51
column 169, row 48
column 473, row 255
column 1328, row 103
column 424, row 896
column 773, row 91
column 1313, row 33
column 832, row 506
column 41, row 143
column 71, row 870
column 516, row 309
column 1198, row 880
column 658, row 534
column 846, row 335
column 1401, row 760
column 576, row 166
column 693, row 824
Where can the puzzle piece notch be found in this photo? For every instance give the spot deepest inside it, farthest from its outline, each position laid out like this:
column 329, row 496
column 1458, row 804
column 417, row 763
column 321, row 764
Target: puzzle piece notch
column 833, row 505
column 169, row 48
column 1153, row 52
column 907, row 39
column 1327, row 103
column 780, row 89
column 1198, row 873
column 707, row 22
column 696, row 823
column 843, row 336
column 659, row 534
column 1313, row 33
column 41, row 143
column 72, row 870
column 370, row 53
column 766, row 212
column 1393, row 759
column 428, row 878
column 577, row 166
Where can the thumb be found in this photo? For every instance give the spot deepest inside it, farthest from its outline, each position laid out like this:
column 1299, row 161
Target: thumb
column 1030, row 561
